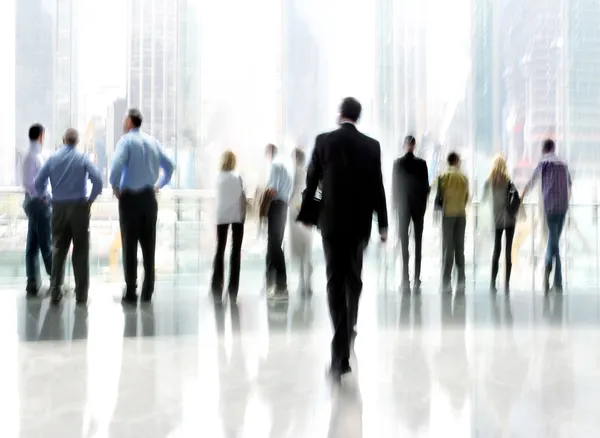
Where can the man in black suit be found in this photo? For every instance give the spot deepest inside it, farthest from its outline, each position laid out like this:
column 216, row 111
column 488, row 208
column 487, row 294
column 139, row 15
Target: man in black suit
column 410, row 182
column 347, row 164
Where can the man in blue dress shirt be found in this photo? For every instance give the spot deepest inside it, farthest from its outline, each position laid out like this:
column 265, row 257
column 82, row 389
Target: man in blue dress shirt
column 68, row 171
column 38, row 211
column 135, row 180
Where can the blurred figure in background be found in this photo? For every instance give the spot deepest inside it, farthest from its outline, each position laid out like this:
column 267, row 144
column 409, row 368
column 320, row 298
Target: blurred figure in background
column 300, row 235
column 279, row 187
column 453, row 191
column 410, row 185
column 556, row 193
column 231, row 211
column 497, row 187
column 38, row 211
column 68, row 171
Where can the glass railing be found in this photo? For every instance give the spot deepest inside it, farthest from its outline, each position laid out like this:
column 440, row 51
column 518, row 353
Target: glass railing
column 186, row 238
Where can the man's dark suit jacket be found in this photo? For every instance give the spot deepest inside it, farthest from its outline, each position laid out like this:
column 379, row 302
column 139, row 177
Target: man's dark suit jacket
column 348, row 164
column 410, row 181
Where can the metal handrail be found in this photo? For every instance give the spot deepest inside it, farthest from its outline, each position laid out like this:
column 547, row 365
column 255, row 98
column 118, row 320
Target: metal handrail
column 209, row 194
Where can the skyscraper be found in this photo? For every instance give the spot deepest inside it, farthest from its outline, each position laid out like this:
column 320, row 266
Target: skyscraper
column 401, row 84
column 34, row 72
column 304, row 76
column 581, row 84
column 67, row 60
column 153, row 66
column 486, row 70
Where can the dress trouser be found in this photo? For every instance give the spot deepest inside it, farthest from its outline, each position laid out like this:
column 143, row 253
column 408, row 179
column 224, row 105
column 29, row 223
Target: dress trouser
column 39, row 240
column 138, row 212
column 404, row 220
column 237, row 236
column 276, row 270
column 453, row 249
column 71, row 223
column 556, row 222
column 344, row 262
column 510, row 233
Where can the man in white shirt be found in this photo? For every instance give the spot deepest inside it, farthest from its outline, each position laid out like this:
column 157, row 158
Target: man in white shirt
column 280, row 185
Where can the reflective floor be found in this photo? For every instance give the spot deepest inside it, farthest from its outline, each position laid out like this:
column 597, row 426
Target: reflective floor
column 427, row 366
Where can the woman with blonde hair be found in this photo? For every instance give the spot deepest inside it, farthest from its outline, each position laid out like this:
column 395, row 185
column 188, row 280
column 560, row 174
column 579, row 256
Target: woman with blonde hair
column 499, row 187
column 231, row 211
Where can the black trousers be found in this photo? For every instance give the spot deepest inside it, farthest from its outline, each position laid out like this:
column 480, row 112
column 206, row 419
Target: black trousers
column 218, row 277
column 344, row 260
column 39, row 240
column 404, row 219
column 276, row 220
column 510, row 233
column 137, row 217
column 71, row 223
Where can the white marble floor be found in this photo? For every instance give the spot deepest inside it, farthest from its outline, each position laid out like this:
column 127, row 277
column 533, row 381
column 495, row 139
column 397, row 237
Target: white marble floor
column 477, row 366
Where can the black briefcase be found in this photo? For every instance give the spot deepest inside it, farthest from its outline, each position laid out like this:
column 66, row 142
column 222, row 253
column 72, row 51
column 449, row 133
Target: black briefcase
column 310, row 211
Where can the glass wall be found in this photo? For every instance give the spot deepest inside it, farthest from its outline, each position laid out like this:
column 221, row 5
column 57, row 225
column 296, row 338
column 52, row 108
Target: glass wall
column 482, row 77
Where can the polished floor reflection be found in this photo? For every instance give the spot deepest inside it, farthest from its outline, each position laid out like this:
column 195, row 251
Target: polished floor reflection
column 427, row 366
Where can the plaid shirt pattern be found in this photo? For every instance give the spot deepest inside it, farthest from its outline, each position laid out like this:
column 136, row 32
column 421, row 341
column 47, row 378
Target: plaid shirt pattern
column 556, row 183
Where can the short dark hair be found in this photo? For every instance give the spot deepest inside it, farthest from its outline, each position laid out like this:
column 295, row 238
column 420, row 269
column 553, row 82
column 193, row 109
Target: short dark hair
column 410, row 140
column 453, row 158
column 36, row 131
column 272, row 149
column 299, row 156
column 350, row 109
column 135, row 115
column 548, row 146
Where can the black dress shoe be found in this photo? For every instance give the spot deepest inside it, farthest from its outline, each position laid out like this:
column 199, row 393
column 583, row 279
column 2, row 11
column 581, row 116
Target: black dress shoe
column 417, row 287
column 56, row 298
column 129, row 299
column 338, row 369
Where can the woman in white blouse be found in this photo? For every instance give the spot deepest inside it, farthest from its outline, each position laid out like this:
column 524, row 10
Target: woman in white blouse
column 231, row 210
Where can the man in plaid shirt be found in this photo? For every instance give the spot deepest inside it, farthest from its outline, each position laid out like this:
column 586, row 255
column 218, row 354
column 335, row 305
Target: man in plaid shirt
column 556, row 191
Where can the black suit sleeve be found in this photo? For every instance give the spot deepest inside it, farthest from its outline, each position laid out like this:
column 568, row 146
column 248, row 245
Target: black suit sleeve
column 314, row 174
column 380, row 203
column 425, row 179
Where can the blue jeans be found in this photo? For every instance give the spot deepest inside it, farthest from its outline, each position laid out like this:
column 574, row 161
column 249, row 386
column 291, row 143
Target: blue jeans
column 39, row 240
column 556, row 221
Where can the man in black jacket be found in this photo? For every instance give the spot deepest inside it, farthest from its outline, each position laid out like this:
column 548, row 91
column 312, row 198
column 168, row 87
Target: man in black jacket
column 410, row 182
column 348, row 165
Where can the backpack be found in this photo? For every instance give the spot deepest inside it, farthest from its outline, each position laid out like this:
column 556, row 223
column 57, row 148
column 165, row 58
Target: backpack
column 513, row 200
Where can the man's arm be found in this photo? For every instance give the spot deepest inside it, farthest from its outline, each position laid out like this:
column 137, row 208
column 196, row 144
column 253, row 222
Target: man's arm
column 569, row 182
column 119, row 162
column 425, row 180
column 167, row 165
column 96, row 179
column 534, row 178
column 41, row 179
column 314, row 174
column 274, row 176
column 31, row 166
column 395, row 185
column 380, row 202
